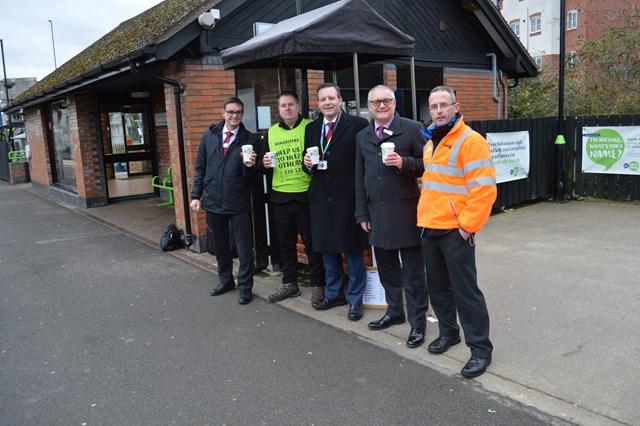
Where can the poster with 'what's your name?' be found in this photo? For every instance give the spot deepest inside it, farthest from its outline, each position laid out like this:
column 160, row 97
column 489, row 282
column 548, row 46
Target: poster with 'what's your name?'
column 611, row 150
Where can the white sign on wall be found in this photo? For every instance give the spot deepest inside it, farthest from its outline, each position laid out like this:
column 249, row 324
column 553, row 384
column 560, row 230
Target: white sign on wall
column 611, row 150
column 510, row 151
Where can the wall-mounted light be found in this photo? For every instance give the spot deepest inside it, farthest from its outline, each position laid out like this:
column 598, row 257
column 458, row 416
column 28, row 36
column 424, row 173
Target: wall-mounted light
column 209, row 18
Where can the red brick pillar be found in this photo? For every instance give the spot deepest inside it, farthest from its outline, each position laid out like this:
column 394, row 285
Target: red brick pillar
column 206, row 84
column 390, row 76
column 90, row 177
column 474, row 91
column 35, row 123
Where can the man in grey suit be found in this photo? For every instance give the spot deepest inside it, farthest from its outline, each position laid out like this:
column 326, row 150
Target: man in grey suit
column 387, row 195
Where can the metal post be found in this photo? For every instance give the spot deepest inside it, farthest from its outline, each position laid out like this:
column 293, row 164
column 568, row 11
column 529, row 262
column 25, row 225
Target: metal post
column 6, row 93
column 356, row 83
column 53, row 43
column 560, row 142
column 414, row 97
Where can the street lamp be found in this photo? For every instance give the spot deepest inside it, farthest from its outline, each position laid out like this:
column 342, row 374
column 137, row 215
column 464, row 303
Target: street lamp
column 7, row 86
column 53, row 43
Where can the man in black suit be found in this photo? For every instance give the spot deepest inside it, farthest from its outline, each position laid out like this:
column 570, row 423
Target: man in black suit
column 222, row 187
column 387, row 195
column 332, row 200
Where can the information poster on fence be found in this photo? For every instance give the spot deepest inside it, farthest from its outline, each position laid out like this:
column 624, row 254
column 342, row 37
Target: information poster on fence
column 611, row 150
column 510, row 151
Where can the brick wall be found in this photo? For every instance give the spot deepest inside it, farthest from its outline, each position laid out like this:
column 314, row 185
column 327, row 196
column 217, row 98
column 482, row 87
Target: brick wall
column 390, row 76
column 474, row 92
column 163, row 151
column 314, row 79
column 18, row 172
column 36, row 135
column 87, row 152
column 206, row 84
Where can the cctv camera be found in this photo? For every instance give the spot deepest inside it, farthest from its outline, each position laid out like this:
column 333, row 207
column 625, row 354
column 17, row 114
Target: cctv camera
column 208, row 19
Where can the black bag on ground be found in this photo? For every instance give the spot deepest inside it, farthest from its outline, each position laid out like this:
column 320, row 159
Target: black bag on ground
column 171, row 238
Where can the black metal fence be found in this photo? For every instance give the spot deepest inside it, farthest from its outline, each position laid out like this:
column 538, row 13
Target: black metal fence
column 541, row 183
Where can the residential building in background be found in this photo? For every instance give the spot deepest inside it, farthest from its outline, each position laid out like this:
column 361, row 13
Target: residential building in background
column 537, row 24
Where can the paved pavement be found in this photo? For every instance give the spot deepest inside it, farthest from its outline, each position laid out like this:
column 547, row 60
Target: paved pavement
column 97, row 328
column 561, row 282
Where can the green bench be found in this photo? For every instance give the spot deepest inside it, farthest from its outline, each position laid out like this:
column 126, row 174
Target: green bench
column 164, row 182
column 18, row 156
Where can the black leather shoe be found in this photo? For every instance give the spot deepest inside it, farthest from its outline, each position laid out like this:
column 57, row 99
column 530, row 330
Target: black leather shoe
column 355, row 312
column 442, row 344
column 329, row 303
column 386, row 322
column 222, row 289
column 475, row 367
column 245, row 297
column 416, row 337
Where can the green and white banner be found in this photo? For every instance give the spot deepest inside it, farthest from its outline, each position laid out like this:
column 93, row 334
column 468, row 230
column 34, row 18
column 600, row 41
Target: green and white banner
column 510, row 151
column 611, row 150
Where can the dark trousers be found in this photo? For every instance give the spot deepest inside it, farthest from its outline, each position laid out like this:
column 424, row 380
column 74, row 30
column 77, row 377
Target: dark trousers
column 452, row 282
column 243, row 237
column 393, row 280
column 292, row 218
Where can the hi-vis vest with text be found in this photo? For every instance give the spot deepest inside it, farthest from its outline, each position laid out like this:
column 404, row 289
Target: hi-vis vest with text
column 288, row 175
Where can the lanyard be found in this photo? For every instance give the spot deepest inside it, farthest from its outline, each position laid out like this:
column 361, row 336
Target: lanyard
column 324, row 148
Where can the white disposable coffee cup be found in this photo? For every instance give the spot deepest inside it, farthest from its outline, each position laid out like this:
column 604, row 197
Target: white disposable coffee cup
column 314, row 152
column 387, row 148
column 247, row 150
column 272, row 157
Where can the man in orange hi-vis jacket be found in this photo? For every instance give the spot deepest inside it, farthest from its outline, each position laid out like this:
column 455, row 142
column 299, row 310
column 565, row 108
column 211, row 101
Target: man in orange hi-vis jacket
column 458, row 192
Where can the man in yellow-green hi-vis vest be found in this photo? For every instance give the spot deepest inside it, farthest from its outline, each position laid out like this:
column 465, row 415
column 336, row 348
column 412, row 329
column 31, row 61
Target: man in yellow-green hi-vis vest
column 283, row 161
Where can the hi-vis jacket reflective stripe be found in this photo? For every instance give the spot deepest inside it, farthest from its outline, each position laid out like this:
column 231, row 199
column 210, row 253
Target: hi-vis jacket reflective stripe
column 459, row 182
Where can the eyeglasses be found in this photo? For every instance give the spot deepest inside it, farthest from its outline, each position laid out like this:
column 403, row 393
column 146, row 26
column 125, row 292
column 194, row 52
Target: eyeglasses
column 377, row 102
column 436, row 107
column 235, row 113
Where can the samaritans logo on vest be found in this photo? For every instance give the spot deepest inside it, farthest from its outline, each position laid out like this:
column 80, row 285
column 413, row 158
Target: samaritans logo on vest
column 611, row 150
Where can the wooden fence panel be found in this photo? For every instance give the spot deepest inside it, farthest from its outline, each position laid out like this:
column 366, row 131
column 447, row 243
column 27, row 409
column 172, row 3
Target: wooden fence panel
column 614, row 187
column 539, row 183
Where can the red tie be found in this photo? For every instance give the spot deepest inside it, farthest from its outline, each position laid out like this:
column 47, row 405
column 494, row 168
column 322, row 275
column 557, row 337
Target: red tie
column 225, row 144
column 329, row 131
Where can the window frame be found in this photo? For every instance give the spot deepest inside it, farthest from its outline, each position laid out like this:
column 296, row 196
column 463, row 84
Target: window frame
column 538, row 19
column 515, row 24
column 572, row 19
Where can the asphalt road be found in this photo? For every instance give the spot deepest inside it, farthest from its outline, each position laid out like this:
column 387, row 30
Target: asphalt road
column 97, row 328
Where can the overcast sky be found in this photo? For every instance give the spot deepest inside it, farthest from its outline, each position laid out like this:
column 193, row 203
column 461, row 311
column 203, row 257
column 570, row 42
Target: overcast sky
column 26, row 32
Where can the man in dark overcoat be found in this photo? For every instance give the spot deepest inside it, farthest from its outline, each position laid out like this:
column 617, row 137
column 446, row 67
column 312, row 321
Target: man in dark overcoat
column 332, row 201
column 387, row 195
column 222, row 187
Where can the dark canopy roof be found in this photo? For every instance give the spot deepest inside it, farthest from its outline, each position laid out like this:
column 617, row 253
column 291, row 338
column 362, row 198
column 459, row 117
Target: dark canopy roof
column 324, row 38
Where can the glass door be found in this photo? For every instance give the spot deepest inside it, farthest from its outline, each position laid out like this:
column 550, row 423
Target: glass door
column 128, row 151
